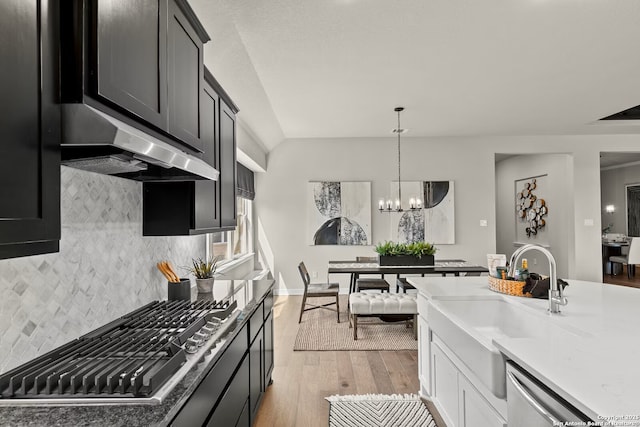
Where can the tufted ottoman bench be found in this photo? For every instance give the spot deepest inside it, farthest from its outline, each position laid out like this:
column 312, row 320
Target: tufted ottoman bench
column 365, row 304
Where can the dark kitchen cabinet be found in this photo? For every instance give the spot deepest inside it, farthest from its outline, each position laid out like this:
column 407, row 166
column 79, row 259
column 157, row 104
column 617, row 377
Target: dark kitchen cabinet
column 131, row 37
column 138, row 61
column 227, row 165
column 174, row 209
column 256, row 358
column 185, row 71
column 196, row 207
column 260, row 360
column 256, row 374
column 29, row 128
column 231, row 411
column 231, row 392
column 213, row 387
column 268, row 350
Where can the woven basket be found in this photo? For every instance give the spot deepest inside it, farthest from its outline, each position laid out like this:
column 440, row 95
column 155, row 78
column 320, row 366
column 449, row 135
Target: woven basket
column 509, row 287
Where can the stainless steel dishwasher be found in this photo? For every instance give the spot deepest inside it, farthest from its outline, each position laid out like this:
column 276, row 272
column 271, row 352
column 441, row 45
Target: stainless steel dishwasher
column 532, row 404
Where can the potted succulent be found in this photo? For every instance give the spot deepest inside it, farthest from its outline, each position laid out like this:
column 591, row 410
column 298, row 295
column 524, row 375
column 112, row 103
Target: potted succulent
column 414, row 253
column 204, row 271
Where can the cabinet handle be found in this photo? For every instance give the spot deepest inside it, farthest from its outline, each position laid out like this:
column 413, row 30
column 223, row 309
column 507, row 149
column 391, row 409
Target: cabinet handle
column 531, row 400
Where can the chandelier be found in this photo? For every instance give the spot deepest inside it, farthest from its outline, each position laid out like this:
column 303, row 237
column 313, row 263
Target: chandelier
column 414, row 203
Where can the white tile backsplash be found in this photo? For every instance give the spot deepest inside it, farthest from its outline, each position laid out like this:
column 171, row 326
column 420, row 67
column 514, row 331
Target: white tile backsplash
column 105, row 268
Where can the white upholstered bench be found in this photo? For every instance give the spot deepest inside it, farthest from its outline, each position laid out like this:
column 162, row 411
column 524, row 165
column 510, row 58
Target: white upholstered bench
column 378, row 304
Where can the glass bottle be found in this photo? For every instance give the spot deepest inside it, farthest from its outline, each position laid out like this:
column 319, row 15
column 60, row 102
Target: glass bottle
column 524, row 271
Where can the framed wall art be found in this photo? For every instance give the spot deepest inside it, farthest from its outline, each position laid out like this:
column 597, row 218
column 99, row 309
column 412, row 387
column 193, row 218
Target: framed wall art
column 339, row 213
column 435, row 222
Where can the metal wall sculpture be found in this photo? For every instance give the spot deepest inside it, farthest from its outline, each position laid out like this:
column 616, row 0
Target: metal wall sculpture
column 530, row 208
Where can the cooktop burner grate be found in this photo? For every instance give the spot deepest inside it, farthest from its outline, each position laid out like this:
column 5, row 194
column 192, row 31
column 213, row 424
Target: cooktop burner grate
column 132, row 356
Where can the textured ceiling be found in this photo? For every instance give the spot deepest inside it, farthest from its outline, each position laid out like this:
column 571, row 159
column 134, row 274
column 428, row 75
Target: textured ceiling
column 337, row 68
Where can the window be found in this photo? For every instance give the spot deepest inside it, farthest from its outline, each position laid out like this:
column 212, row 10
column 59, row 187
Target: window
column 234, row 244
column 243, row 235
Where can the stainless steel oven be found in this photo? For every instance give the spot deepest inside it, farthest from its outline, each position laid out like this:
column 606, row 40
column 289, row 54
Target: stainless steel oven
column 531, row 404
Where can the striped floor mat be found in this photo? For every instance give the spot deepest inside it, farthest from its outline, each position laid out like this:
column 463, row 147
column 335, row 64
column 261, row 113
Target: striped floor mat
column 379, row 410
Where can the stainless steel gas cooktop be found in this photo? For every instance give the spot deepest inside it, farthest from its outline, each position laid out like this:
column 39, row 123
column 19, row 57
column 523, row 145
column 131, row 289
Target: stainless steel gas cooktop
column 136, row 359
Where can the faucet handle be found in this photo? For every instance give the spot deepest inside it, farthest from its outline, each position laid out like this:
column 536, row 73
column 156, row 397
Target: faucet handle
column 557, row 297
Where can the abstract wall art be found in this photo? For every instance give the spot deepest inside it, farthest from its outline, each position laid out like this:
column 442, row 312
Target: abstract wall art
column 339, row 213
column 435, row 223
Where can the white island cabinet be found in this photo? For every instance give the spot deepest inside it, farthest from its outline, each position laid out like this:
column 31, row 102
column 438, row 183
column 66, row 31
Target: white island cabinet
column 424, row 341
column 586, row 354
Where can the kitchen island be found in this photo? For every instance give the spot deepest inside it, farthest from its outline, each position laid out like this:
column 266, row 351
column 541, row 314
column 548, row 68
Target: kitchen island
column 184, row 404
column 587, row 354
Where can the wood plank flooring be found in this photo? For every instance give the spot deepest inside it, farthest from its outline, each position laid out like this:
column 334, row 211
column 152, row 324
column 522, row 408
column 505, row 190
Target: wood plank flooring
column 302, row 379
column 622, row 279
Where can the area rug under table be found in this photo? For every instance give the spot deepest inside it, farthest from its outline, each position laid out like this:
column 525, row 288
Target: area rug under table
column 320, row 331
column 379, row 410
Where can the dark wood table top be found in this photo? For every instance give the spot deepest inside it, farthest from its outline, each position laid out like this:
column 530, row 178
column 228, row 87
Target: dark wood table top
column 442, row 266
column 615, row 244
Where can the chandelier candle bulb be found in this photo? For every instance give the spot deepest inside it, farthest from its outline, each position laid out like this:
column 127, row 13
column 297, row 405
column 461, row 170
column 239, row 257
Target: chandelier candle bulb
column 381, row 204
column 418, row 203
column 412, row 203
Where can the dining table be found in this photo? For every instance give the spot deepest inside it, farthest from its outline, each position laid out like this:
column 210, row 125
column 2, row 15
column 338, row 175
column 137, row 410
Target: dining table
column 443, row 267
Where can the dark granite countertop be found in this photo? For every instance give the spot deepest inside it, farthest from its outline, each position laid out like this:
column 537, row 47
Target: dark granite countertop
column 248, row 294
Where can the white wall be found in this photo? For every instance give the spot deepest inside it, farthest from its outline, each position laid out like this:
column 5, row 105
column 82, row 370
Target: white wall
column 613, row 182
column 249, row 150
column 281, row 197
column 558, row 195
column 280, row 192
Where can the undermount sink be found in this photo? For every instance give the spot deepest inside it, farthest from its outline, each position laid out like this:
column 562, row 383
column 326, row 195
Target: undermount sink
column 468, row 326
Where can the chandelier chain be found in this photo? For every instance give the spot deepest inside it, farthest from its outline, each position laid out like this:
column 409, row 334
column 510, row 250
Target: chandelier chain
column 414, row 204
column 399, row 181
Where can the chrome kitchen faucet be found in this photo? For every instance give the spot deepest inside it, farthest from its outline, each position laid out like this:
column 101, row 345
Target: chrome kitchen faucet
column 556, row 299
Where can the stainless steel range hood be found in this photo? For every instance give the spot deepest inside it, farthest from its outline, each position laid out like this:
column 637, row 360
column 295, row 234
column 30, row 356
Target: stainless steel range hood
column 95, row 141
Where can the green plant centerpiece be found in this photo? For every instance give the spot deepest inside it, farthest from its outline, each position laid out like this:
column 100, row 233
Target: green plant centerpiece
column 204, row 271
column 399, row 254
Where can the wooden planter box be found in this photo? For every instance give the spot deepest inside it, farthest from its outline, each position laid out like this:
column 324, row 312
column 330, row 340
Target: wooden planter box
column 405, row 260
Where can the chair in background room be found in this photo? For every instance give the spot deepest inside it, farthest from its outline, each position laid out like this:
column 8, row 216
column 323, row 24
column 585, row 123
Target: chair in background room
column 631, row 259
column 375, row 283
column 402, row 283
column 317, row 290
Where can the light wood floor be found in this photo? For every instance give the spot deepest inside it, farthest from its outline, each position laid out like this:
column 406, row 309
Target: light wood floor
column 622, row 279
column 302, row 379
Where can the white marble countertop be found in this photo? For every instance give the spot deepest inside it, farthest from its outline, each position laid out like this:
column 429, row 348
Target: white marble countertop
column 597, row 370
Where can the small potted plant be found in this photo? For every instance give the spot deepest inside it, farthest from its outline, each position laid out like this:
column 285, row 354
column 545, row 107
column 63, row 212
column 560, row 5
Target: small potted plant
column 204, row 271
column 414, row 253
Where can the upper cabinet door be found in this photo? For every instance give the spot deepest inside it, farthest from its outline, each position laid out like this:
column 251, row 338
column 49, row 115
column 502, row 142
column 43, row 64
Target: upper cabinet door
column 207, row 205
column 131, row 38
column 227, row 166
column 29, row 129
column 185, row 68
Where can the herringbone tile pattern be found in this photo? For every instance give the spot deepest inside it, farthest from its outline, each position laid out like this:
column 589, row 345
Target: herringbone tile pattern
column 105, row 268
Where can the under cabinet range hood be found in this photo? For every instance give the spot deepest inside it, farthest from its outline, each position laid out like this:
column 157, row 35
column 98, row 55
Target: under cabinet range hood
column 98, row 142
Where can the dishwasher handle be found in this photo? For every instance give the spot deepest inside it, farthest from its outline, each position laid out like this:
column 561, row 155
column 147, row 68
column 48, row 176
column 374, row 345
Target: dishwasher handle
column 533, row 402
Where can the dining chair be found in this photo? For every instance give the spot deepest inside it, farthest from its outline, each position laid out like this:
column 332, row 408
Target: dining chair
column 631, row 259
column 317, row 290
column 371, row 283
column 403, row 284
